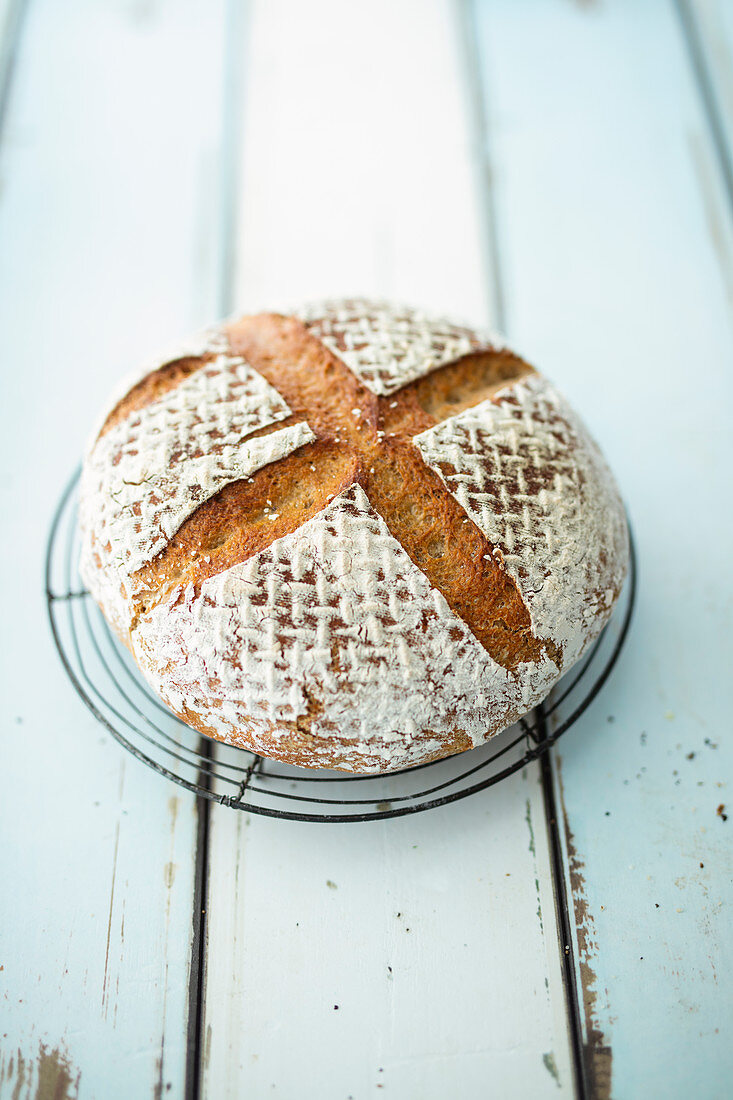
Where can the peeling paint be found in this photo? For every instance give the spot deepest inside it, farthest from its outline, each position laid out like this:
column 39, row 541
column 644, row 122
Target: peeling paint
column 49, row 1076
column 20, row 1074
column 548, row 1061
column 57, row 1078
column 528, row 819
column 158, row 1087
column 597, row 1053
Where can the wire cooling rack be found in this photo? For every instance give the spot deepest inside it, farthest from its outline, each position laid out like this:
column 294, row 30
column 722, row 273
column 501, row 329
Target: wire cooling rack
column 109, row 682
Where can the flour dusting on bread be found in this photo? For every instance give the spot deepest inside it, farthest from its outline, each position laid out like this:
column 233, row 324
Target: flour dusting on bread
column 335, row 619
column 387, row 346
column 148, row 473
column 528, row 474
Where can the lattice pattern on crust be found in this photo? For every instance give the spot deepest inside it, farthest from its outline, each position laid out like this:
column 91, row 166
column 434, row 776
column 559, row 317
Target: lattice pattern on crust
column 336, row 621
column 207, row 343
column 529, row 475
column 148, row 473
column 387, row 346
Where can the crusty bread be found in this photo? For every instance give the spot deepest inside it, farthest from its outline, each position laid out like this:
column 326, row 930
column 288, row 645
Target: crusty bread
column 353, row 537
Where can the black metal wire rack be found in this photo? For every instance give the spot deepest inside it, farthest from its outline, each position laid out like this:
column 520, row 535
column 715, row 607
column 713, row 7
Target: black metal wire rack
column 109, row 682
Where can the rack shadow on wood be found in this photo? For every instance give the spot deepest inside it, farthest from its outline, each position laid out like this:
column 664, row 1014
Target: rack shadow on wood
column 109, row 682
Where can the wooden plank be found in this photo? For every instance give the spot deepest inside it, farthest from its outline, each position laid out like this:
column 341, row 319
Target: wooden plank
column 616, row 240
column 109, row 170
column 418, row 955
column 357, row 169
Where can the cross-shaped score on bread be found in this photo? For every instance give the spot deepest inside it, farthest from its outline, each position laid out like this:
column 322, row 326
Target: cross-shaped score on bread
column 412, row 461
column 366, row 439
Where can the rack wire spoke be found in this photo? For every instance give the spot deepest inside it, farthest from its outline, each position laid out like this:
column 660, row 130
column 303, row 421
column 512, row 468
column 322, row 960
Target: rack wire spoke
column 104, row 676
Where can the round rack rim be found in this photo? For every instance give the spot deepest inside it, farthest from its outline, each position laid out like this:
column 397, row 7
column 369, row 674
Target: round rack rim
column 73, row 628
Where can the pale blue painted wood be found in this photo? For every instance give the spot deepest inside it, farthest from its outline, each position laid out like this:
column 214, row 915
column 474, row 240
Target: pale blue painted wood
column 615, row 241
column 434, row 935
column 418, row 954
column 107, row 219
column 616, row 245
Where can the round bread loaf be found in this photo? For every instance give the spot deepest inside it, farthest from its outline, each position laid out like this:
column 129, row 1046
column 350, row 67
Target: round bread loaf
column 353, row 537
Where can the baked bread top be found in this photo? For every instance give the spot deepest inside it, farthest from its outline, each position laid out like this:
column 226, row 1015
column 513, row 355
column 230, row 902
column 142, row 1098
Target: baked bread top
column 351, row 537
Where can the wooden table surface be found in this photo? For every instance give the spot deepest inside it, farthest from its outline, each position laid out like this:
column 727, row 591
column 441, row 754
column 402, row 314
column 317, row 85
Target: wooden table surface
column 563, row 170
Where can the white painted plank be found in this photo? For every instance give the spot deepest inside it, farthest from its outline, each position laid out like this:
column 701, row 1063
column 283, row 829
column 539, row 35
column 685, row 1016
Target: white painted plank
column 108, row 167
column 357, row 177
column 615, row 237
column 434, row 935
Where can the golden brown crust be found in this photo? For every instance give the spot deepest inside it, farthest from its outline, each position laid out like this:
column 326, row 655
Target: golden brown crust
column 453, row 553
column 302, row 747
column 361, row 438
column 458, row 386
column 317, row 386
column 152, row 387
column 419, row 511
column 247, row 516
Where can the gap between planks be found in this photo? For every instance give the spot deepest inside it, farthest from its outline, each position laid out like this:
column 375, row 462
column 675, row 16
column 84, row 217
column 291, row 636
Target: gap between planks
column 197, row 974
